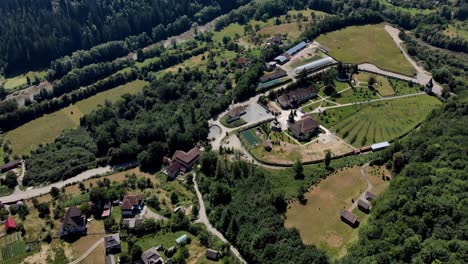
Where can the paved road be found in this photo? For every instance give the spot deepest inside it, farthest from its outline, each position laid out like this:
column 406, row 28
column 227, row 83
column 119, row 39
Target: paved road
column 422, row 76
column 203, row 218
column 321, row 109
column 369, row 187
column 21, row 195
column 91, row 249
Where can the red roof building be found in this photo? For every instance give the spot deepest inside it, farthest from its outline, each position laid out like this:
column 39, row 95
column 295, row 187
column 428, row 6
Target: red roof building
column 10, row 224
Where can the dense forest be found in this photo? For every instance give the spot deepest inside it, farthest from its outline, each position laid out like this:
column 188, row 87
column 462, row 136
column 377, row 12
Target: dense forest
column 52, row 28
column 245, row 208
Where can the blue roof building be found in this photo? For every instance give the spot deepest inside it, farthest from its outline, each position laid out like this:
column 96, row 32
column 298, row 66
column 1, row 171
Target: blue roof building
column 296, row 48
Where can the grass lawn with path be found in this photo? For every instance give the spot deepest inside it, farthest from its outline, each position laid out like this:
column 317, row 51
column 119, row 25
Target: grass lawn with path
column 370, row 43
column 361, row 125
column 48, row 127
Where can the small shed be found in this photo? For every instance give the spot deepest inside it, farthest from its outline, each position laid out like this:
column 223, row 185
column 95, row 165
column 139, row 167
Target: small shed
column 267, row 145
column 379, row 146
column 212, row 254
column 364, row 205
column 182, row 239
column 10, row 224
column 349, row 218
column 370, row 196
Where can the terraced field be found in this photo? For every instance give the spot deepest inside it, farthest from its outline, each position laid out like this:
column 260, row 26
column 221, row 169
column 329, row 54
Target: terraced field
column 361, row 125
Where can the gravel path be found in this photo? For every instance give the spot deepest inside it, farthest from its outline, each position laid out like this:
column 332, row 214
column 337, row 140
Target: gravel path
column 91, row 249
column 203, row 218
column 21, row 195
column 369, row 187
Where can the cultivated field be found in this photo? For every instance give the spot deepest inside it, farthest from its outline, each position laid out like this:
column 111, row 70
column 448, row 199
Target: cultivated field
column 46, row 128
column 318, row 220
column 362, row 125
column 370, row 43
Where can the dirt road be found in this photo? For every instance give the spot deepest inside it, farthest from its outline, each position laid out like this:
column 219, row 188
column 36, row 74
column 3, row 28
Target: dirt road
column 369, row 187
column 203, row 218
column 91, row 249
column 21, row 195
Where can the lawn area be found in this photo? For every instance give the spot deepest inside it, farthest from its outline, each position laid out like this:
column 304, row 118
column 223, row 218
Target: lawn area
column 20, row 81
column 46, row 128
column 237, row 123
column 323, row 207
column 358, row 94
column 365, row 124
column 83, row 243
column 312, row 106
column 458, row 29
column 229, row 31
column 402, row 87
column 383, row 86
column 370, row 43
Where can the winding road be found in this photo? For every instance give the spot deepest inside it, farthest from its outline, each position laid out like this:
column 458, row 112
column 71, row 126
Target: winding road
column 22, row 195
column 203, row 218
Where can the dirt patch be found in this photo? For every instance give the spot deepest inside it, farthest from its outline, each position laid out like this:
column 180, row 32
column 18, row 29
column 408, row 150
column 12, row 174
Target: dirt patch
column 29, row 92
column 334, row 240
column 40, row 257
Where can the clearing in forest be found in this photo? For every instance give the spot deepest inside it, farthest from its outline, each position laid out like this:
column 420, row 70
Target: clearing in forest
column 48, row 127
column 318, row 218
column 362, row 125
column 370, row 43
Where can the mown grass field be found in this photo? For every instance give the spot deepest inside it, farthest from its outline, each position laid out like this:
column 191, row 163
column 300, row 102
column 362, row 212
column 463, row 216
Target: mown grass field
column 365, row 124
column 323, row 206
column 382, row 86
column 46, row 128
column 318, row 221
column 458, row 29
column 370, row 43
column 18, row 81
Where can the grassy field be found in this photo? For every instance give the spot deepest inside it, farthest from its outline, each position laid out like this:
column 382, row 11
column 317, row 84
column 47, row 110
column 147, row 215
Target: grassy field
column 382, row 86
column 323, row 206
column 19, row 81
column 370, row 43
column 358, row 94
column 362, row 125
column 46, row 128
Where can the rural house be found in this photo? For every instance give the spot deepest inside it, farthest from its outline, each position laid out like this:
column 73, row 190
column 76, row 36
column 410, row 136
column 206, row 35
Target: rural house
column 112, row 244
column 212, row 254
column 304, row 128
column 182, row 162
column 235, row 114
column 276, row 40
column 349, row 218
column 74, row 222
column 10, row 165
column 132, row 204
column 295, row 97
column 10, row 225
column 151, row 256
column 370, row 196
column 277, row 73
column 364, row 206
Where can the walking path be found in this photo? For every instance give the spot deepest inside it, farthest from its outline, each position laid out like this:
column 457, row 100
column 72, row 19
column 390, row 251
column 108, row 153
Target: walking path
column 369, row 187
column 203, row 218
column 321, row 109
column 21, row 176
column 91, row 249
column 21, row 195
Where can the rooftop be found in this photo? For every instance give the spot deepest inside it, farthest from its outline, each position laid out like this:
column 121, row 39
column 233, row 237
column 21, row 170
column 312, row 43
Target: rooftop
column 348, row 216
column 186, row 157
column 305, row 125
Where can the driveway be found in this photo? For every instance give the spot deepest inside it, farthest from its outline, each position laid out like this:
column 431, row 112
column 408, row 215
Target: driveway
column 255, row 113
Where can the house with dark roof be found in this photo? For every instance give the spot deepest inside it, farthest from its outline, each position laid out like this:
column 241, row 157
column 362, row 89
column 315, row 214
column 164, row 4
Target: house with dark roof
column 275, row 40
column 112, row 244
column 235, row 113
column 10, row 165
column 364, row 206
column 349, row 218
column 370, row 196
column 151, row 256
column 74, row 222
column 182, row 162
column 212, row 254
column 293, row 98
column 10, row 225
column 277, row 73
column 132, row 204
column 304, row 128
